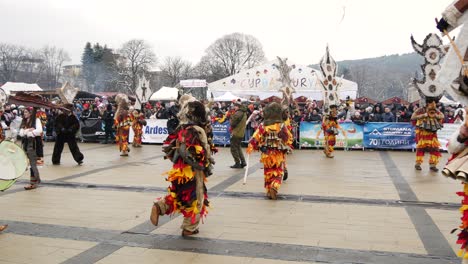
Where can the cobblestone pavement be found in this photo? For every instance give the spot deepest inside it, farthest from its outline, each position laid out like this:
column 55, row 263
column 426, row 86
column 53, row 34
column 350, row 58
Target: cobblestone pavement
column 360, row 207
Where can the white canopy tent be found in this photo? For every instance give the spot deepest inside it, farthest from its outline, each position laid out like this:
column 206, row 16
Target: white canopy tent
column 165, row 94
column 263, row 81
column 227, row 97
column 444, row 100
column 12, row 87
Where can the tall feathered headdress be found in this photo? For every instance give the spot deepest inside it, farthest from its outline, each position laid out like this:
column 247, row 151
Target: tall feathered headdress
column 433, row 52
column 329, row 81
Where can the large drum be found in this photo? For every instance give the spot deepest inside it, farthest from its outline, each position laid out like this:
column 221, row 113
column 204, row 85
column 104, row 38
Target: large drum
column 13, row 164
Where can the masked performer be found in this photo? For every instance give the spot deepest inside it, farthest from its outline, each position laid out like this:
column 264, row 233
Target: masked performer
column 66, row 127
column 190, row 152
column 137, row 126
column 428, row 119
column 274, row 140
column 330, row 84
column 122, row 123
column 453, row 77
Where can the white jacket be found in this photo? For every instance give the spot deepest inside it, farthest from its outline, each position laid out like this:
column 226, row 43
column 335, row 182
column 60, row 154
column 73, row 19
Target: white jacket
column 34, row 133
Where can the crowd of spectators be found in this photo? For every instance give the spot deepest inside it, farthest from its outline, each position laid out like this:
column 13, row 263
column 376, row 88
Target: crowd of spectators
column 309, row 111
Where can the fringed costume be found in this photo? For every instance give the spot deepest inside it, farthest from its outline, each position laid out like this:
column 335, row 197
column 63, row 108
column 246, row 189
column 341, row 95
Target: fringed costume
column 330, row 128
column 190, row 152
column 453, row 77
column 330, row 84
column 428, row 119
column 274, row 140
column 122, row 123
column 137, row 126
column 426, row 134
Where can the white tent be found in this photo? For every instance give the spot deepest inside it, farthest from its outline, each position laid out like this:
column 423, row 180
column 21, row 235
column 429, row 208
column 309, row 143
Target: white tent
column 227, row 97
column 12, row 87
column 263, row 81
column 165, row 94
column 444, row 100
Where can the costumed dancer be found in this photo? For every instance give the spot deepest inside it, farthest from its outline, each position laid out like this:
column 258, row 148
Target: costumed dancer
column 453, row 77
column 30, row 128
column 330, row 84
column 122, row 123
column 190, row 153
column 287, row 123
column 428, row 118
column 137, row 126
column 287, row 101
column 274, row 140
column 66, row 127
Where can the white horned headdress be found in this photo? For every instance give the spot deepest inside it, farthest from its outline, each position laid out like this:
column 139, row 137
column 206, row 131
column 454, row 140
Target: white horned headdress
column 286, row 84
column 330, row 82
column 432, row 51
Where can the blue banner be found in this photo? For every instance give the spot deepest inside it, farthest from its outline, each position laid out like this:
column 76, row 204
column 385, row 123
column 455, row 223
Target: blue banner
column 389, row 135
column 221, row 135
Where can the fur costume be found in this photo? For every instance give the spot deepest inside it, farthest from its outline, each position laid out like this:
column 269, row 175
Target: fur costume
column 122, row 123
column 189, row 150
column 428, row 119
column 452, row 76
column 330, row 83
column 274, row 140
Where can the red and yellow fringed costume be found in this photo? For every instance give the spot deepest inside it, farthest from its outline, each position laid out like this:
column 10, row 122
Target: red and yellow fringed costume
column 463, row 235
column 274, row 141
column 456, row 168
column 428, row 121
column 137, row 126
column 330, row 128
column 190, row 152
column 122, row 124
column 191, row 164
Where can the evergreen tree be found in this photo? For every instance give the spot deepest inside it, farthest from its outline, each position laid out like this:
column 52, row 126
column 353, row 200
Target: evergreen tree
column 87, row 60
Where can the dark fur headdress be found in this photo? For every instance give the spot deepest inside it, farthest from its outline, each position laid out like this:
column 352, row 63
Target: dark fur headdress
column 196, row 113
column 272, row 114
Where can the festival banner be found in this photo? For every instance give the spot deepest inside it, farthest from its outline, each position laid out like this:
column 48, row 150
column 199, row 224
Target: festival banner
column 389, row 136
column 92, row 129
column 221, row 135
column 155, row 131
column 445, row 133
column 350, row 135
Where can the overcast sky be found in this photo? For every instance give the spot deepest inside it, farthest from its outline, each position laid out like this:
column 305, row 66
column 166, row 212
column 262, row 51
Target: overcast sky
column 297, row 29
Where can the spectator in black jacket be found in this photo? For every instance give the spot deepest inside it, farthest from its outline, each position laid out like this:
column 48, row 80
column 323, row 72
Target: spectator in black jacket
column 388, row 115
column 108, row 119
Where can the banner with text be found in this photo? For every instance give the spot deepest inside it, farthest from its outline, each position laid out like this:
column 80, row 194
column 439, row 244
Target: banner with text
column 221, row 135
column 350, row 135
column 389, row 135
column 155, row 131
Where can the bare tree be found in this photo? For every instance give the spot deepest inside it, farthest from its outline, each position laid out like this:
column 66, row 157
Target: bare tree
column 11, row 58
column 137, row 58
column 53, row 59
column 175, row 69
column 233, row 53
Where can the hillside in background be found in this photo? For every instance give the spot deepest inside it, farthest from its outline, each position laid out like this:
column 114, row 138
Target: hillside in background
column 382, row 77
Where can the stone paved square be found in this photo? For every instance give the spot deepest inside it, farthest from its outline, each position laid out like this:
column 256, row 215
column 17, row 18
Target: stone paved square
column 350, row 209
